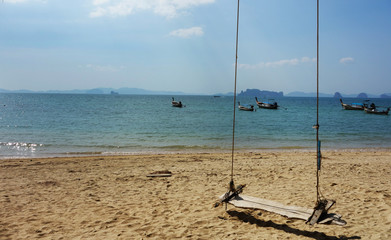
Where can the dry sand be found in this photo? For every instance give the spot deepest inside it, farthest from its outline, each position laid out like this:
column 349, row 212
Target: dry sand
column 112, row 197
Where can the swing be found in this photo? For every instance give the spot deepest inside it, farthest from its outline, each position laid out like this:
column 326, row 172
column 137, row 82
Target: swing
column 312, row 216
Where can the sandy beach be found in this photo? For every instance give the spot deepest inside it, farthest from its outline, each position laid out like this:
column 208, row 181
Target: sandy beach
column 111, row 197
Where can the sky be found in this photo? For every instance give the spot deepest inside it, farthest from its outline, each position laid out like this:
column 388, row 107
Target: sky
column 189, row 45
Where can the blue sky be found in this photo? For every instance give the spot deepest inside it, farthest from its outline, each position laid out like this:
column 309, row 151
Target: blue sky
column 189, row 45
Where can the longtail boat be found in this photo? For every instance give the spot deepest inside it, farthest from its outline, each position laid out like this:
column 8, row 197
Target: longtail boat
column 354, row 106
column 270, row 104
column 246, row 107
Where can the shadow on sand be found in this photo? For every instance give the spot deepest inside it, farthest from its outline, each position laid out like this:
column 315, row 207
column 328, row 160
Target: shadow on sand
column 248, row 218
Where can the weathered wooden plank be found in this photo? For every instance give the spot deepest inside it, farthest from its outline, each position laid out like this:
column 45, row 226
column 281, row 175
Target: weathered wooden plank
column 320, row 211
column 315, row 216
column 243, row 201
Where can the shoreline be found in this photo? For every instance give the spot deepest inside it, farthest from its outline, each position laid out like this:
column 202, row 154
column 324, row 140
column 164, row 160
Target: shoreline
column 111, row 197
column 204, row 151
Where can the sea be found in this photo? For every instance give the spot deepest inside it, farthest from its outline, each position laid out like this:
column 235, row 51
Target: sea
column 53, row 125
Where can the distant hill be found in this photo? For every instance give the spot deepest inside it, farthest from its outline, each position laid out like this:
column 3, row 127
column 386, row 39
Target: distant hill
column 224, row 94
column 247, row 92
column 336, row 95
column 15, row 91
column 137, row 91
column 362, row 95
column 312, row 94
column 261, row 93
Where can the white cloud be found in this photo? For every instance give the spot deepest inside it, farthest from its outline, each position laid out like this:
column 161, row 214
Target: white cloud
column 188, row 32
column 307, row 59
column 102, row 68
column 99, row 2
column 346, row 60
column 166, row 8
column 98, row 12
column 291, row 62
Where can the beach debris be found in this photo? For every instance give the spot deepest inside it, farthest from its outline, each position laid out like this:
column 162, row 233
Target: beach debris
column 164, row 173
column 48, row 183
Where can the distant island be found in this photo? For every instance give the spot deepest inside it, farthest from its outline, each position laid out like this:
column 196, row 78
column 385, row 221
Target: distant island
column 304, row 94
column 261, row 93
column 112, row 91
column 362, row 95
column 247, row 92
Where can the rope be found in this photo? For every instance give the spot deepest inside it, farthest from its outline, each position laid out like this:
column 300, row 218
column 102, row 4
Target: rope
column 234, row 116
column 318, row 193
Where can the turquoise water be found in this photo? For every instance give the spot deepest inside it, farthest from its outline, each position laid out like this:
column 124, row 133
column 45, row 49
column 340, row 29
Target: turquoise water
column 41, row 125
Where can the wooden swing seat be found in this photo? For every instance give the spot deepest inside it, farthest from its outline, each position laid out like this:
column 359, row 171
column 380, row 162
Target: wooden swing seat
column 317, row 215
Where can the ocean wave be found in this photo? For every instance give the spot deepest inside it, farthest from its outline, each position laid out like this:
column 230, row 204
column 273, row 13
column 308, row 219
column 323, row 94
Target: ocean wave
column 183, row 147
column 18, row 149
column 20, row 145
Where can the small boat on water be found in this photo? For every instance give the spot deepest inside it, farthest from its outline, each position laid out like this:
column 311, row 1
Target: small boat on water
column 246, row 107
column 354, row 106
column 270, row 104
column 374, row 110
column 176, row 104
